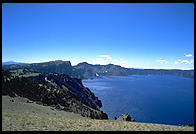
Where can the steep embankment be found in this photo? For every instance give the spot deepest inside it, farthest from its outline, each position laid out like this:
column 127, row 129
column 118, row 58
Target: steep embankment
column 18, row 115
column 58, row 90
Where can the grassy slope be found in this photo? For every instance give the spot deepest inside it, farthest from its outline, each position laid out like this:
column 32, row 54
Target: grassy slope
column 19, row 115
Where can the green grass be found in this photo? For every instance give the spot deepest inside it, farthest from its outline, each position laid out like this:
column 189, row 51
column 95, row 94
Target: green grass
column 20, row 73
column 38, row 102
column 29, row 75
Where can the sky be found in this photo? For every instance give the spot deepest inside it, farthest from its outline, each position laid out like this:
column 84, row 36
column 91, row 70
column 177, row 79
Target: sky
column 133, row 35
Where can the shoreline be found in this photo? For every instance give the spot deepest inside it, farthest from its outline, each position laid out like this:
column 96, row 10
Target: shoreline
column 19, row 115
column 113, row 108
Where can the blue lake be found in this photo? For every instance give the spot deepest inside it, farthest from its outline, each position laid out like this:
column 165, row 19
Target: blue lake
column 163, row 99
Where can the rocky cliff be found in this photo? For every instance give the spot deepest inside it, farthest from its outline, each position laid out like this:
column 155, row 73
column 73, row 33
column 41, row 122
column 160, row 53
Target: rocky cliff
column 58, row 90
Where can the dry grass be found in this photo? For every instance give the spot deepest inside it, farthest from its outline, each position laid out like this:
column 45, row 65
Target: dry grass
column 35, row 122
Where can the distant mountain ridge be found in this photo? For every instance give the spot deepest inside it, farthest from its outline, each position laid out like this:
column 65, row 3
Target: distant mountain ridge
column 85, row 70
column 12, row 62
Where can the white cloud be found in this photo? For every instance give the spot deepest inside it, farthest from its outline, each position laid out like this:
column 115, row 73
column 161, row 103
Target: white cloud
column 106, row 56
column 106, row 59
column 162, row 61
column 188, row 55
column 184, row 61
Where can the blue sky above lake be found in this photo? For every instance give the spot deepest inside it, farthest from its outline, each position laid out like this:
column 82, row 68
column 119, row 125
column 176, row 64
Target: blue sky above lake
column 132, row 35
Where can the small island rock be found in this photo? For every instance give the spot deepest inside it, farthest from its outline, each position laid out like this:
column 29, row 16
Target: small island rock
column 125, row 117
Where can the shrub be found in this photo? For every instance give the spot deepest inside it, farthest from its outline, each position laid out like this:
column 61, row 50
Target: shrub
column 39, row 102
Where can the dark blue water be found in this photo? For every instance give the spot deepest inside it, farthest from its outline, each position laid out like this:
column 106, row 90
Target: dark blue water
column 163, row 99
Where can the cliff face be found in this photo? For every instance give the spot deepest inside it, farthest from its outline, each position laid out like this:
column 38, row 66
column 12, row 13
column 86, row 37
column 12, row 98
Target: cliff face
column 52, row 66
column 85, row 70
column 58, row 66
column 58, row 90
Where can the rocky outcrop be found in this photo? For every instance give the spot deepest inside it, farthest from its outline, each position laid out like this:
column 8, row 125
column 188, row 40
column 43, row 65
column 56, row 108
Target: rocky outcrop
column 125, row 117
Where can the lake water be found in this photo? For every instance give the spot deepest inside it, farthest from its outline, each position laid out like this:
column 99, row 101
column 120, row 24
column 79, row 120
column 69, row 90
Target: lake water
column 162, row 99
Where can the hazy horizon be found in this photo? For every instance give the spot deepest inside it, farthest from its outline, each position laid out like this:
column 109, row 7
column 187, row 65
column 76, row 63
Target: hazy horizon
column 132, row 35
